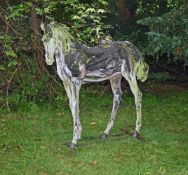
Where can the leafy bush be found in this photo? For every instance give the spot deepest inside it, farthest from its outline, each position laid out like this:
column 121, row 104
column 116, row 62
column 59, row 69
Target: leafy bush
column 168, row 34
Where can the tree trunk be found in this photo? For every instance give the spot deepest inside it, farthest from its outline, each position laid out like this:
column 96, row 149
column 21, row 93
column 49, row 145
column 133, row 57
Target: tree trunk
column 127, row 10
column 38, row 51
column 35, row 21
column 162, row 7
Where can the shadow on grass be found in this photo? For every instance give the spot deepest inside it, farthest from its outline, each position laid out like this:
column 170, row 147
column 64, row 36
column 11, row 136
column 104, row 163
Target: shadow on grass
column 124, row 133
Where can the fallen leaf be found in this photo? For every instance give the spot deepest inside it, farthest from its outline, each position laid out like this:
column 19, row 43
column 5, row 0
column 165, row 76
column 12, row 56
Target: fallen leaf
column 94, row 162
column 92, row 123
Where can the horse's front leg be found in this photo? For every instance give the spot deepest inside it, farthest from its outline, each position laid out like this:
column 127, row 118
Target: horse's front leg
column 72, row 90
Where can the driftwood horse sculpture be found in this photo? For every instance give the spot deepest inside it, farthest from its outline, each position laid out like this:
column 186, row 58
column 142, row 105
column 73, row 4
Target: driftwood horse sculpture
column 79, row 64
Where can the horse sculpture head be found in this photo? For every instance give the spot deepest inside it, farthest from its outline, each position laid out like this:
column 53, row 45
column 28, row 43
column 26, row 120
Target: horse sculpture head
column 49, row 42
column 56, row 38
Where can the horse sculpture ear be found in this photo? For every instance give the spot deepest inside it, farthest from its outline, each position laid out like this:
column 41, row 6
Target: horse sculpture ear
column 42, row 26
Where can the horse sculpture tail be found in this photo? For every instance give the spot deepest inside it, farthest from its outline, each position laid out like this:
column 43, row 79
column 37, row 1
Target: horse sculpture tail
column 140, row 67
column 142, row 70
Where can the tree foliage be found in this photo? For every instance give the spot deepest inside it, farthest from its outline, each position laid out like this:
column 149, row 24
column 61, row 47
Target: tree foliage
column 168, row 34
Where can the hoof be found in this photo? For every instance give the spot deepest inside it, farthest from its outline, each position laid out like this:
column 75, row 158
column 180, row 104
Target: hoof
column 135, row 134
column 104, row 136
column 71, row 145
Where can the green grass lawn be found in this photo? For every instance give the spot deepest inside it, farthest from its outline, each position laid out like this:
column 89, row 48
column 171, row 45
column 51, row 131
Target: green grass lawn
column 32, row 142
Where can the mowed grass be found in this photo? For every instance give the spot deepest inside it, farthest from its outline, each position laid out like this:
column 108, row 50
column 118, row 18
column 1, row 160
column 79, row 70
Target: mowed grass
column 34, row 142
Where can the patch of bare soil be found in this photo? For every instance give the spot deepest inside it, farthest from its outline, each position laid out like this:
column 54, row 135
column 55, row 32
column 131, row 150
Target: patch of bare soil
column 165, row 88
column 158, row 88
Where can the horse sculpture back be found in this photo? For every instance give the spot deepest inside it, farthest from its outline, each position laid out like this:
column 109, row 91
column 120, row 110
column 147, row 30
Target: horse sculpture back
column 79, row 64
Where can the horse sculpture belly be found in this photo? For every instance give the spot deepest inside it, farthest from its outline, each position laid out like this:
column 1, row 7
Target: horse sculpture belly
column 101, row 62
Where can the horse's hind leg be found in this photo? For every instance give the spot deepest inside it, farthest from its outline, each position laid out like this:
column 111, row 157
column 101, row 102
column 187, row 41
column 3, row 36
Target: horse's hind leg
column 138, row 99
column 117, row 93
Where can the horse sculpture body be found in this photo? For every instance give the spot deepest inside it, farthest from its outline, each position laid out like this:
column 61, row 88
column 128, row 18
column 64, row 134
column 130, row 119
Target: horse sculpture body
column 78, row 65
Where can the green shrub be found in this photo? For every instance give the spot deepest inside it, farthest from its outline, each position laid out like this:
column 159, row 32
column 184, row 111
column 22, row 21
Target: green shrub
column 168, row 34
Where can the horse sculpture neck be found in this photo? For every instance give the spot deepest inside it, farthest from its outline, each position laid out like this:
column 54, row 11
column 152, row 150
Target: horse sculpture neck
column 63, row 42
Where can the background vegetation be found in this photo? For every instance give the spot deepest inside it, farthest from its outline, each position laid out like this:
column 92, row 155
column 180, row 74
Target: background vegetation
column 159, row 28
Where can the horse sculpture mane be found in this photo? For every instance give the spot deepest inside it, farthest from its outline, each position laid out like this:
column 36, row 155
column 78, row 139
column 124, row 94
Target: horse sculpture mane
column 78, row 64
column 61, row 33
